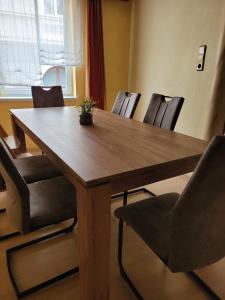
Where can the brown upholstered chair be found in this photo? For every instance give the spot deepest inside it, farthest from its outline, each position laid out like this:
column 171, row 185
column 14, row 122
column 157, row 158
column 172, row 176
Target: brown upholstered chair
column 162, row 113
column 185, row 231
column 33, row 168
column 33, row 206
column 47, row 97
column 125, row 104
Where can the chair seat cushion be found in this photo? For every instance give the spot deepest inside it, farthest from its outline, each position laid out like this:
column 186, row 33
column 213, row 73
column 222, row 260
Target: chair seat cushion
column 36, row 168
column 51, row 201
column 150, row 219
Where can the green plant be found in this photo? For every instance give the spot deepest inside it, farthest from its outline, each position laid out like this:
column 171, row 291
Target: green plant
column 86, row 106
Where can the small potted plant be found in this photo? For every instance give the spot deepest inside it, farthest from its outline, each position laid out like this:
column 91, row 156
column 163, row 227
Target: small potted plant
column 86, row 108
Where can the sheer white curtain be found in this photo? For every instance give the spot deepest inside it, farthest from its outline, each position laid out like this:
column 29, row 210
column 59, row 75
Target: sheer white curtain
column 36, row 33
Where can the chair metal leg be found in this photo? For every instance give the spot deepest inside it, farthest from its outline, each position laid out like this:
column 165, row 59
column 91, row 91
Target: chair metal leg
column 203, row 285
column 46, row 283
column 2, row 183
column 120, row 262
column 2, row 187
column 8, row 235
column 125, row 196
column 140, row 190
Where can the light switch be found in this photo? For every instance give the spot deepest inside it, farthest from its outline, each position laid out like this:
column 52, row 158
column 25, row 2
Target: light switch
column 201, row 57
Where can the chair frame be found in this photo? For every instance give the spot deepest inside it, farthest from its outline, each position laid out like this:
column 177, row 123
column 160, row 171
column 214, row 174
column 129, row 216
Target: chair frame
column 8, row 235
column 29, row 291
column 126, row 193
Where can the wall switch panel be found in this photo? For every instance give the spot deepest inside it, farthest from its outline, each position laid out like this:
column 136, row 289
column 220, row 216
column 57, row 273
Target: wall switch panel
column 201, row 57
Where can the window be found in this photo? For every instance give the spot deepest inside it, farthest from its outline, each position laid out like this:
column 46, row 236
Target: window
column 49, row 7
column 59, row 7
column 53, row 7
column 40, row 42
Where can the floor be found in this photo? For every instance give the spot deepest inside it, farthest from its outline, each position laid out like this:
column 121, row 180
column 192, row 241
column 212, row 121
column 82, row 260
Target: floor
column 152, row 278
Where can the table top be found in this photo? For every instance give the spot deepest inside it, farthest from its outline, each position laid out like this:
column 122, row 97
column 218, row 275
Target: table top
column 113, row 147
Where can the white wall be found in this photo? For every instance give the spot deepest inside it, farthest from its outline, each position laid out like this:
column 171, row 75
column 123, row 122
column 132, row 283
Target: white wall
column 165, row 37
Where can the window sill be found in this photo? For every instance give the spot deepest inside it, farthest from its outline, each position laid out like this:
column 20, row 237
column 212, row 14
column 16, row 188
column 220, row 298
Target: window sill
column 5, row 99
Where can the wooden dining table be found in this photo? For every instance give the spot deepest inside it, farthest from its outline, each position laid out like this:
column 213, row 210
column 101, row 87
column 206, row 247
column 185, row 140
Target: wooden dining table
column 113, row 155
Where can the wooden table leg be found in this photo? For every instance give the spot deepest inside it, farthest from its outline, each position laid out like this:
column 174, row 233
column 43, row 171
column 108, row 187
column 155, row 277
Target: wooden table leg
column 94, row 217
column 19, row 134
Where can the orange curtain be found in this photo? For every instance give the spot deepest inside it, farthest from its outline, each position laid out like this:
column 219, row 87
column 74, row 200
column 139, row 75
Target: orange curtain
column 95, row 53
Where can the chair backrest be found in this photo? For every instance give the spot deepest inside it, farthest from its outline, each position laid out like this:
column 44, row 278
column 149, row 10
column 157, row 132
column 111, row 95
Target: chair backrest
column 17, row 204
column 3, row 133
column 125, row 104
column 198, row 219
column 52, row 97
column 162, row 113
column 10, row 141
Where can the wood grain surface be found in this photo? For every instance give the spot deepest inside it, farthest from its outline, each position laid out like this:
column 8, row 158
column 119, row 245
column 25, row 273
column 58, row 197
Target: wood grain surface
column 111, row 149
